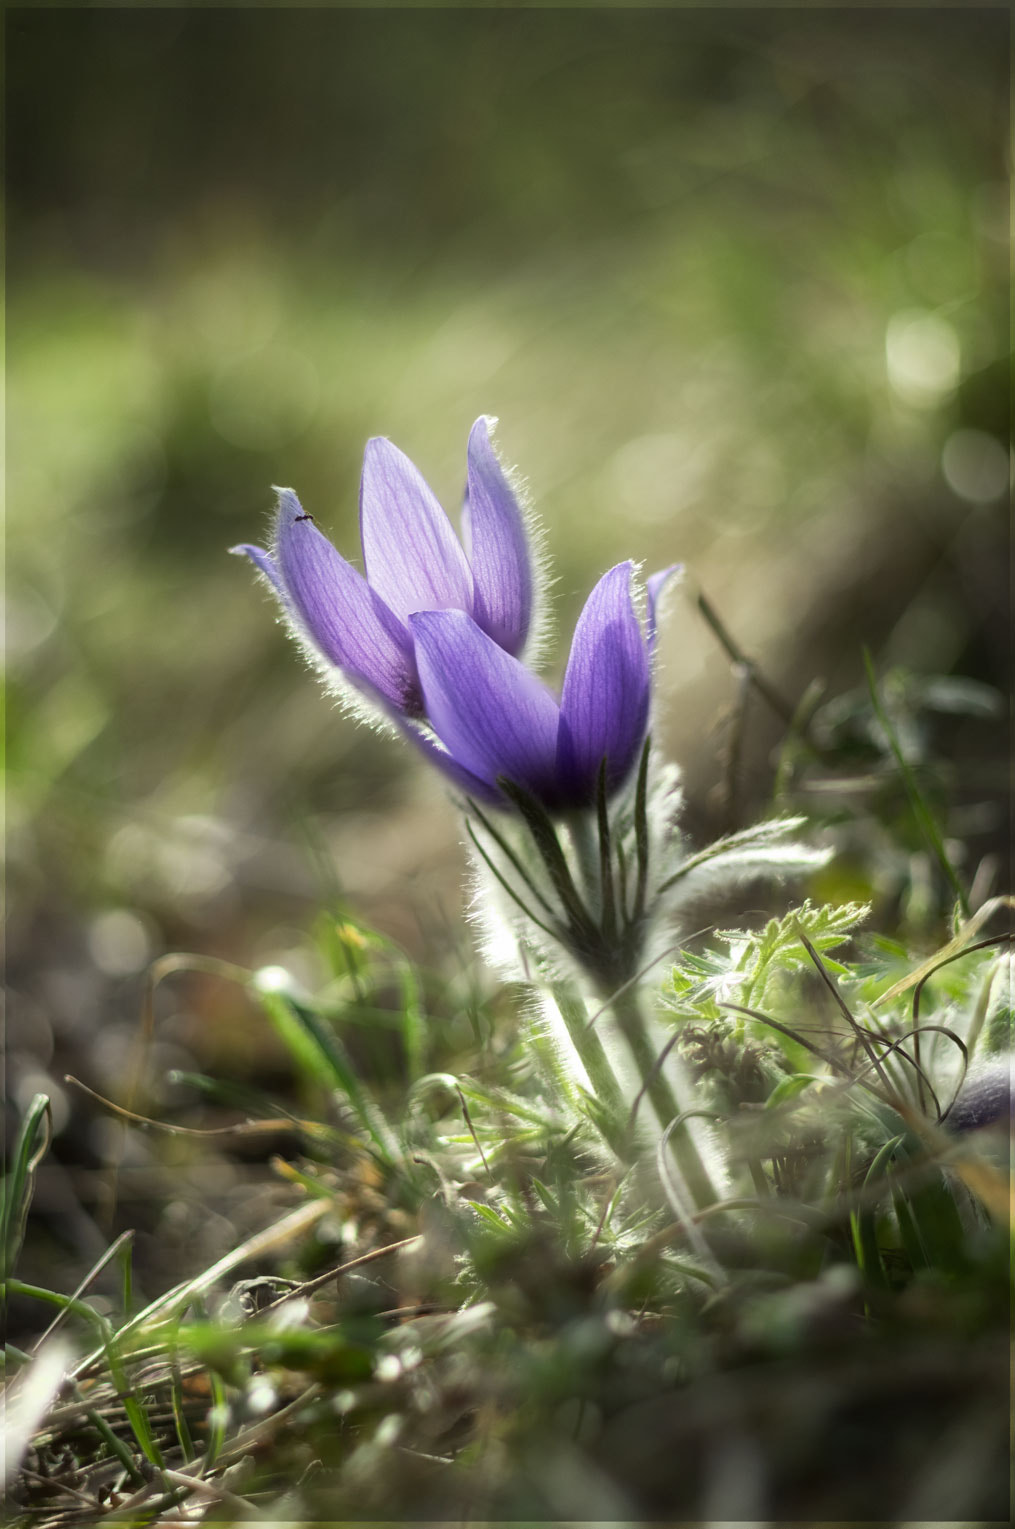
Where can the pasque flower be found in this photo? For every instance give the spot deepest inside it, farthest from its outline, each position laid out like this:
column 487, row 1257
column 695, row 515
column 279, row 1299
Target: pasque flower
column 493, row 718
column 431, row 634
column 359, row 623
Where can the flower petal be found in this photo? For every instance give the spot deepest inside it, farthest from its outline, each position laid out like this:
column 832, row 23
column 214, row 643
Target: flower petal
column 464, row 779
column 492, row 715
column 655, row 584
column 264, row 563
column 497, row 546
column 411, row 554
column 604, row 704
column 336, row 610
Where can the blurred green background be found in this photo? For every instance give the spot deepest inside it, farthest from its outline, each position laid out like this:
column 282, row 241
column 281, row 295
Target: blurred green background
column 735, row 283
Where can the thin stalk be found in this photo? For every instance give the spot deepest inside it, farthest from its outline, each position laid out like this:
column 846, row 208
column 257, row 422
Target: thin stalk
column 921, row 811
column 508, row 888
column 626, row 1010
column 732, row 751
column 740, row 660
column 844, row 1009
column 505, row 848
column 588, row 858
column 625, row 917
column 641, row 838
column 608, row 914
column 590, row 1050
column 547, row 845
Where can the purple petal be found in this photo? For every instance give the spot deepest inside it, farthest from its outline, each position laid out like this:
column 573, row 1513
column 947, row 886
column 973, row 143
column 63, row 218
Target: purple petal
column 464, row 779
column 492, row 715
column 495, row 539
column 655, row 584
column 604, row 704
column 411, row 554
column 336, row 609
column 264, row 563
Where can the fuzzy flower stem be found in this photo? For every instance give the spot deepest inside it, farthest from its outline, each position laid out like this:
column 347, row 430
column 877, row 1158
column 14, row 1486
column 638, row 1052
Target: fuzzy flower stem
column 610, row 965
column 590, row 1050
column 641, row 831
column 626, row 1010
column 586, row 849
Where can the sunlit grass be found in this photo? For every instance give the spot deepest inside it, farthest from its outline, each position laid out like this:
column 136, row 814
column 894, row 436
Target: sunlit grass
column 511, row 1300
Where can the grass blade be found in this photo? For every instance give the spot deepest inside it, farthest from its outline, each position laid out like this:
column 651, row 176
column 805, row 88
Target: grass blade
column 921, row 811
column 19, row 1185
column 320, row 1054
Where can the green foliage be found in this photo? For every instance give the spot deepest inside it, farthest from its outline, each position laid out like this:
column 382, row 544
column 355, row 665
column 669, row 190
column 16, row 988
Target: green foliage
column 755, row 962
column 541, row 1298
column 30, row 1148
column 451, row 1288
column 873, row 762
column 778, row 948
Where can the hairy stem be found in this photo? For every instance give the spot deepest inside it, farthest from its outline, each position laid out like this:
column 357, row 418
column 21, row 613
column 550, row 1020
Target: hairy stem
column 591, row 1053
column 626, row 1010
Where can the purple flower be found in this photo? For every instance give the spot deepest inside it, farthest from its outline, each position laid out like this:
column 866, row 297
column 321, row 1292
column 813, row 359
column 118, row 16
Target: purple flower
column 359, row 623
column 493, row 718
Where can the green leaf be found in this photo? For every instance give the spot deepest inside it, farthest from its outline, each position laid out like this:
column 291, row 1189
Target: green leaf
column 490, row 1216
column 19, row 1184
column 319, row 1053
column 790, row 1087
column 777, row 949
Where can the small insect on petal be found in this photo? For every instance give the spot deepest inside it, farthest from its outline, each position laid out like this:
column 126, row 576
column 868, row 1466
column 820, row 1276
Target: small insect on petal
column 336, row 610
